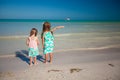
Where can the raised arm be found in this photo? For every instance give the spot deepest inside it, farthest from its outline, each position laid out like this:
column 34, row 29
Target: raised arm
column 58, row 27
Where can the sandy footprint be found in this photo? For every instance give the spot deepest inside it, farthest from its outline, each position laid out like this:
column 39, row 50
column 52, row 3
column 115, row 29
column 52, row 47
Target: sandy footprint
column 75, row 70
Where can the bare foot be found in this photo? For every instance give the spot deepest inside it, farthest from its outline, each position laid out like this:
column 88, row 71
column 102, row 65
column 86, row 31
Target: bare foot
column 45, row 62
column 35, row 63
column 30, row 65
column 50, row 62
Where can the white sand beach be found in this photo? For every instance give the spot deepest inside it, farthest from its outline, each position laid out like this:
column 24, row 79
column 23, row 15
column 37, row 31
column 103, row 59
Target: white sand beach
column 101, row 64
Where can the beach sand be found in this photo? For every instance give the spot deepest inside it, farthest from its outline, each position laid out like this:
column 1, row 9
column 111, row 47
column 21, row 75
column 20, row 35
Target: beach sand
column 103, row 64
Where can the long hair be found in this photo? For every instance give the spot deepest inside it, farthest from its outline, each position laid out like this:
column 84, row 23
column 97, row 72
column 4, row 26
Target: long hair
column 46, row 27
column 33, row 31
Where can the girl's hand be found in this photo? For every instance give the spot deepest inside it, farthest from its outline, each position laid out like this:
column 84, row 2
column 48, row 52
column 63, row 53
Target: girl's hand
column 58, row 27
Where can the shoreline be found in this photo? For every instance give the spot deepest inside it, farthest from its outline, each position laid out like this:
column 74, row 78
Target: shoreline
column 65, row 50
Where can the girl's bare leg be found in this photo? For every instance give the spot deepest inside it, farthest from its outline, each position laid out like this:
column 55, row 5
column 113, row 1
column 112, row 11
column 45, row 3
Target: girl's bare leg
column 35, row 62
column 51, row 57
column 46, row 58
column 30, row 61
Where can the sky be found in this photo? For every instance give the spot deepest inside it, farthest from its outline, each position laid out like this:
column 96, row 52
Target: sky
column 60, row 9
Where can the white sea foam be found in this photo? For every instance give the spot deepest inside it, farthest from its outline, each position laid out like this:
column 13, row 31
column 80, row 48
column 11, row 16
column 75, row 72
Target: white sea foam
column 12, row 37
column 67, row 34
column 60, row 35
column 94, row 48
column 94, row 34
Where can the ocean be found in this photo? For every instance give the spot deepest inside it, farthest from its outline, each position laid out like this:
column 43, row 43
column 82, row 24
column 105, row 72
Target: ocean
column 76, row 35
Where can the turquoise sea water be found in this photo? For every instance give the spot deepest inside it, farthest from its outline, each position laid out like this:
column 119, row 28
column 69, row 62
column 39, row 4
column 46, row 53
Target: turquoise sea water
column 75, row 35
column 21, row 27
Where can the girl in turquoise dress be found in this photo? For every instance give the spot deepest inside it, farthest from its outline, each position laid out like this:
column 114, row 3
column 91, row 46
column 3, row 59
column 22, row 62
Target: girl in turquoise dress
column 48, row 40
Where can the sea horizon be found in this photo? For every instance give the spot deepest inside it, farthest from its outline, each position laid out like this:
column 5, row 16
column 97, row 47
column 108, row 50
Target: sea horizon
column 55, row 20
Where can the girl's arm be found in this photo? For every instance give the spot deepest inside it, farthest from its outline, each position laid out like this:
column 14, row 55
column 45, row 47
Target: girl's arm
column 58, row 27
column 38, row 42
column 42, row 42
column 27, row 42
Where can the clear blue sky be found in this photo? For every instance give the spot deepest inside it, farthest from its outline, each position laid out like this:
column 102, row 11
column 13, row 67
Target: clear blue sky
column 60, row 9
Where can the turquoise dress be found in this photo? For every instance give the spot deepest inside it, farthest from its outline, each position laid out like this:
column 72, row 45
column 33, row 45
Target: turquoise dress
column 33, row 52
column 48, row 42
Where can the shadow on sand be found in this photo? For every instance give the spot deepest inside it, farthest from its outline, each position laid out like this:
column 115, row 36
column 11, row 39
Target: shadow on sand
column 23, row 55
